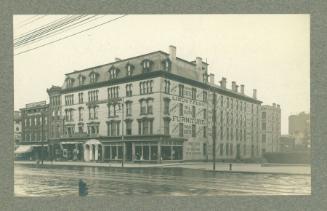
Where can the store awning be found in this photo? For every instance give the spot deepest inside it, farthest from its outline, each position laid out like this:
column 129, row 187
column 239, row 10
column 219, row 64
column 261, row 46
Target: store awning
column 24, row 149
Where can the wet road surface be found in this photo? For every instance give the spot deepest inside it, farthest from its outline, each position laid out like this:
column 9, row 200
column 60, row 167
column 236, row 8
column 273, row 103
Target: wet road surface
column 101, row 181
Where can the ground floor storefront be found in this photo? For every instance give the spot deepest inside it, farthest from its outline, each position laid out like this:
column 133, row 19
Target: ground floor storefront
column 155, row 149
column 31, row 152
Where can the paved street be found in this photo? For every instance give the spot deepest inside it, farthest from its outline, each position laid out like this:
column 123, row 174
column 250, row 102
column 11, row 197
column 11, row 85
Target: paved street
column 236, row 167
column 63, row 180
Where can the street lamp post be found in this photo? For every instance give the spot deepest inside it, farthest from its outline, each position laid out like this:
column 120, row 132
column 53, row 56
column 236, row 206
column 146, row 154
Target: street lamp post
column 214, row 102
column 122, row 133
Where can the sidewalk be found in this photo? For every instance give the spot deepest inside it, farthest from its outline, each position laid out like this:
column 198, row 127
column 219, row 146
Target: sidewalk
column 207, row 166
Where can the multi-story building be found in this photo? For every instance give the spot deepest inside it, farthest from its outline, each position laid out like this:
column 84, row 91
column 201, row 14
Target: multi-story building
column 286, row 143
column 17, row 127
column 270, row 127
column 157, row 107
column 299, row 128
column 34, row 136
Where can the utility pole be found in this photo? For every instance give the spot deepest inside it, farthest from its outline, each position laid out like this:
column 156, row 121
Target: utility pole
column 42, row 137
column 214, row 129
column 122, row 133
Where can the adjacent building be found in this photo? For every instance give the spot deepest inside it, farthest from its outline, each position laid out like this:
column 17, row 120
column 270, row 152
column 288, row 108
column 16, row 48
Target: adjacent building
column 299, row 128
column 270, row 127
column 286, row 143
column 153, row 107
column 34, row 136
column 17, row 127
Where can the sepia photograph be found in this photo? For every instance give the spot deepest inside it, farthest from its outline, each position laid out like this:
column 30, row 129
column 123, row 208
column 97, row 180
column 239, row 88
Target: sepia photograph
column 161, row 105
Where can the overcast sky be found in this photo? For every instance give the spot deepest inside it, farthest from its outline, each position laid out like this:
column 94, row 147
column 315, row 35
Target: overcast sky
column 268, row 52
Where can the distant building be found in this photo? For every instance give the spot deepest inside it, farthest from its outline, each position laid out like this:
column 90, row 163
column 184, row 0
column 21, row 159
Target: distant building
column 157, row 106
column 270, row 127
column 34, row 118
column 299, row 128
column 286, row 143
column 17, row 127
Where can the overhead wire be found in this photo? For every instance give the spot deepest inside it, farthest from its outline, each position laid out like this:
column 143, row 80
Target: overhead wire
column 68, row 36
column 61, row 30
column 46, row 30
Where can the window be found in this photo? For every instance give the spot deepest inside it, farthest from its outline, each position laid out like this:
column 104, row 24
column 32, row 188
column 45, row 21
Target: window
column 263, row 126
column 112, row 110
column 81, row 80
column 181, row 109
column 113, row 72
column 221, row 148
column 167, row 86
column 129, row 127
column 181, row 130
column 143, row 107
column 93, row 112
column 193, row 111
column 166, row 106
column 221, row 133
column 263, row 115
column 93, row 129
column 93, row 77
column 263, row 138
column 113, row 128
column 145, row 126
column 166, row 126
column 129, row 108
column 181, row 90
column 80, row 97
column 146, row 87
column 128, row 90
column 80, row 113
column 204, row 114
column 204, row 131
column 166, row 65
column 93, row 95
column 70, row 82
column 222, row 101
column 129, row 69
column 69, row 115
column 146, row 64
column 205, row 78
column 193, row 93
column 205, row 149
column 205, row 96
column 146, row 106
column 113, row 92
column 193, row 131
column 69, row 99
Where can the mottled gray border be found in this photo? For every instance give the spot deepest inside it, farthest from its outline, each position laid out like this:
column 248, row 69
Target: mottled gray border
column 317, row 201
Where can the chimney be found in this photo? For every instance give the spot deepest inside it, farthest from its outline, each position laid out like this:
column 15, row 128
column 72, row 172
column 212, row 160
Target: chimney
column 198, row 63
column 278, row 106
column 242, row 89
column 274, row 105
column 117, row 59
column 254, row 93
column 233, row 86
column 172, row 53
column 223, row 82
column 212, row 78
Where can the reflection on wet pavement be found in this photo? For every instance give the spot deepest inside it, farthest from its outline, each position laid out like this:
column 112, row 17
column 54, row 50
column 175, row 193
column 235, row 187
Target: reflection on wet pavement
column 63, row 180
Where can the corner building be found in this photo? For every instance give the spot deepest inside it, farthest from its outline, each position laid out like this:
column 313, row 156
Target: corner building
column 157, row 107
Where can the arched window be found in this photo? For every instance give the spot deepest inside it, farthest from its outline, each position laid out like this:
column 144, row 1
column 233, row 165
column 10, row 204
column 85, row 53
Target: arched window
column 81, row 79
column 93, row 77
column 113, row 72
column 166, row 64
column 129, row 69
column 146, row 64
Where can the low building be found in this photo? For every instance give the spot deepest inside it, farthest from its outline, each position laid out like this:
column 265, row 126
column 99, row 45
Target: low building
column 270, row 127
column 33, row 144
column 299, row 128
column 152, row 107
column 286, row 143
